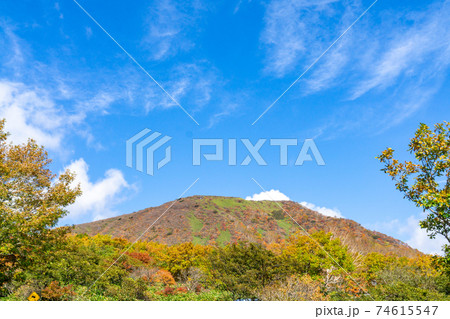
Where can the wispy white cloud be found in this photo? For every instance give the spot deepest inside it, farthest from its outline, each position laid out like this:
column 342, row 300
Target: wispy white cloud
column 171, row 26
column 401, row 58
column 83, row 92
column 326, row 74
column 227, row 110
column 58, row 9
column 332, row 212
column 40, row 101
column 273, row 194
column 14, row 57
column 417, row 51
column 88, row 31
column 192, row 86
column 99, row 197
column 292, row 32
column 238, row 5
column 74, row 97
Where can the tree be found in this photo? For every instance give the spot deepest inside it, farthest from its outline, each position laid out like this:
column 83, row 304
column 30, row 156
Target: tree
column 32, row 200
column 181, row 257
column 243, row 268
column 311, row 255
column 426, row 181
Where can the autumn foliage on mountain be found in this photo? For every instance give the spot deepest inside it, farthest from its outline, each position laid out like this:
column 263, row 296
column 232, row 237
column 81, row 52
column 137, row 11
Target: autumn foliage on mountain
column 217, row 221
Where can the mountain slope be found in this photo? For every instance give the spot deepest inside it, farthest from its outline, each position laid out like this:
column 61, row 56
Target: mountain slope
column 221, row 220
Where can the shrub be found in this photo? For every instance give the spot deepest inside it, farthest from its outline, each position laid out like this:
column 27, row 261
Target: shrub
column 400, row 291
column 278, row 214
column 129, row 290
column 55, row 292
column 168, row 291
column 22, row 290
column 144, row 273
column 182, row 290
column 193, row 278
column 294, row 288
column 164, row 277
column 173, row 295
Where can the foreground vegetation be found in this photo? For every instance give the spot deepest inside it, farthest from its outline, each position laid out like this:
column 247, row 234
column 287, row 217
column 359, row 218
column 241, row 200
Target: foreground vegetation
column 295, row 269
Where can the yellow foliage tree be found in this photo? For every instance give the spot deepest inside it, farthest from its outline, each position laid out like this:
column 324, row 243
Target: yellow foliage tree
column 32, row 200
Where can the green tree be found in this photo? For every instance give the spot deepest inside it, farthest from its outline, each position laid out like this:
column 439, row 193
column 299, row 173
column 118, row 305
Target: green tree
column 243, row 268
column 426, row 180
column 316, row 254
column 32, row 200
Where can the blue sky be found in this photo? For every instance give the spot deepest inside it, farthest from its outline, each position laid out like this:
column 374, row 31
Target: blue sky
column 64, row 82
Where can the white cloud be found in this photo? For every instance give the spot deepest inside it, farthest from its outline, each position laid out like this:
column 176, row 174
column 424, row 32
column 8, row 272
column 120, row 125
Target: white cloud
column 273, row 194
column 324, row 75
column 292, row 31
column 40, row 101
column 419, row 239
column 78, row 93
column 418, row 43
column 410, row 232
column 98, row 197
column 323, row 210
column 276, row 195
column 401, row 57
column 419, row 51
column 88, row 31
column 14, row 56
column 170, row 24
column 239, row 4
column 31, row 114
column 193, row 86
column 225, row 112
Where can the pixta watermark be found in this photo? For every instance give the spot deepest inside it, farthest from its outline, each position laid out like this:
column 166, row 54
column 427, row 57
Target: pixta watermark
column 142, row 151
column 144, row 145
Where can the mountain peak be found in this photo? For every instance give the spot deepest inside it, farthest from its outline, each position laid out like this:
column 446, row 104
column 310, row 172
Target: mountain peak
column 219, row 220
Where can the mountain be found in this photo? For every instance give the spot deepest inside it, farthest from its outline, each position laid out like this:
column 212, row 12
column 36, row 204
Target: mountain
column 221, row 220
